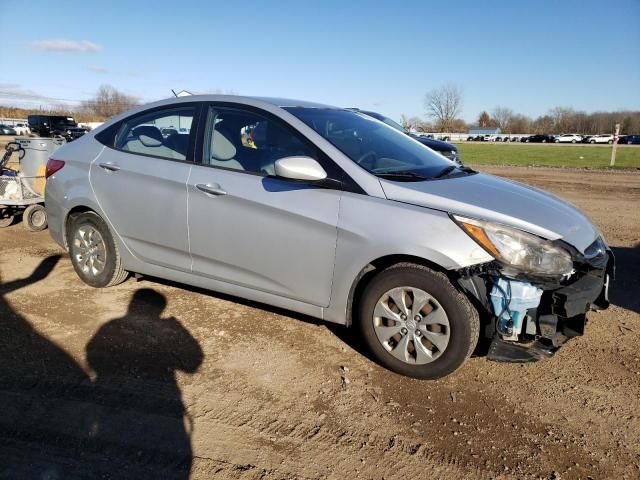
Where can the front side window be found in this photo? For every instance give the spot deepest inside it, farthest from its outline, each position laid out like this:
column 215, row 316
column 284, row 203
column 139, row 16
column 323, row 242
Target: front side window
column 243, row 140
column 376, row 147
column 161, row 133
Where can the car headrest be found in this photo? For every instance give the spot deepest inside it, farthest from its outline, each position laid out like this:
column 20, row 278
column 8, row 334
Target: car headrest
column 222, row 149
column 178, row 142
column 148, row 135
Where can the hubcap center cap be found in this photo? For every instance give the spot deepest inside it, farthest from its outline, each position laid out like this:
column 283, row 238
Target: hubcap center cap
column 411, row 324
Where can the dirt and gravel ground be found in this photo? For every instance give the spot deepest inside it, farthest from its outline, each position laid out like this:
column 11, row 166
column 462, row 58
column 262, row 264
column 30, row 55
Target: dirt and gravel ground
column 116, row 384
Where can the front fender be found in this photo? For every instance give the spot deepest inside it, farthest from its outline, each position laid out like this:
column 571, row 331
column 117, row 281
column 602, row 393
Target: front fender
column 371, row 228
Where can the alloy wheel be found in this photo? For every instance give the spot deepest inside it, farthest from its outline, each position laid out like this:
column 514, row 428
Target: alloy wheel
column 90, row 250
column 411, row 325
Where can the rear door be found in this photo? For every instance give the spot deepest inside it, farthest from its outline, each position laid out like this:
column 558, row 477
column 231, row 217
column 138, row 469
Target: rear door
column 140, row 183
column 250, row 228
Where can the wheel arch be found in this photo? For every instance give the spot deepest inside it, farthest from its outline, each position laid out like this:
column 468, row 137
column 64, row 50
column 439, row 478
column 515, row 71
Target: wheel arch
column 74, row 212
column 371, row 269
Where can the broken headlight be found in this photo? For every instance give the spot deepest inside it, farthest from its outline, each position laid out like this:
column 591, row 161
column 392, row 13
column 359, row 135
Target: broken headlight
column 519, row 250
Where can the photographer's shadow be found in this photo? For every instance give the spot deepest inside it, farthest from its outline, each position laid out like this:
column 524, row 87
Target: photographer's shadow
column 127, row 420
column 140, row 418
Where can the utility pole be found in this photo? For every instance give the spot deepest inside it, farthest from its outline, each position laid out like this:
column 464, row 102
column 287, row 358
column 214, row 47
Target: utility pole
column 615, row 144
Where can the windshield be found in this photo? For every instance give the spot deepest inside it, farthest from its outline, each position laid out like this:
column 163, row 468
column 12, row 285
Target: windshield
column 375, row 146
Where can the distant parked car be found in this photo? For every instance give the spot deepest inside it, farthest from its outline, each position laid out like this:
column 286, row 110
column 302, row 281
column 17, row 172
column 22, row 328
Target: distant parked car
column 601, row 139
column 630, row 140
column 55, row 125
column 525, row 138
column 568, row 138
column 7, row 130
column 21, row 129
column 443, row 148
column 539, row 139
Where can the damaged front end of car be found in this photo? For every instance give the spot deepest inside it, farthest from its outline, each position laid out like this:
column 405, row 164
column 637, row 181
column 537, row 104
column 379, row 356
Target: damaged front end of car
column 536, row 292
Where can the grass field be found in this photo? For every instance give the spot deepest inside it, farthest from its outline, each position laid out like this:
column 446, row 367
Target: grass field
column 579, row 156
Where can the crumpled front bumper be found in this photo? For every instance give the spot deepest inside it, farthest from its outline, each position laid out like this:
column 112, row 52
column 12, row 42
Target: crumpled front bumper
column 561, row 314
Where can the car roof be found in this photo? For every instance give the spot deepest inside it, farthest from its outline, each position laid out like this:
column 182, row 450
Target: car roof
column 275, row 101
column 289, row 102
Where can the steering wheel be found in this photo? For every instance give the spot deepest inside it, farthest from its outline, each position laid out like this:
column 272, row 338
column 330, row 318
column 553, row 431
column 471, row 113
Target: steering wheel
column 365, row 156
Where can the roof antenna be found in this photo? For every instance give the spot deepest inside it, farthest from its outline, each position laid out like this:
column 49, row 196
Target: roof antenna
column 174, row 93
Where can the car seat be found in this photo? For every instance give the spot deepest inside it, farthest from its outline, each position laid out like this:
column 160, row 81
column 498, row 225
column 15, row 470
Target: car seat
column 179, row 143
column 223, row 152
column 147, row 139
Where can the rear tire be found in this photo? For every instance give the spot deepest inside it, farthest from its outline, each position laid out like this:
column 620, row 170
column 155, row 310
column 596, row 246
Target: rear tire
column 94, row 254
column 447, row 318
column 34, row 218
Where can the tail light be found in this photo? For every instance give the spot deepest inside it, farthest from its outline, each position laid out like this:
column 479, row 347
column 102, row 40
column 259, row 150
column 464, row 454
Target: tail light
column 53, row 166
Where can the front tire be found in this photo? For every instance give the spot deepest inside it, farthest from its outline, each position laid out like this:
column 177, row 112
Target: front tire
column 94, row 254
column 416, row 323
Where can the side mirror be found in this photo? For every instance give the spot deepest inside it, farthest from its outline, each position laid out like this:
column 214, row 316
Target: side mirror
column 300, row 168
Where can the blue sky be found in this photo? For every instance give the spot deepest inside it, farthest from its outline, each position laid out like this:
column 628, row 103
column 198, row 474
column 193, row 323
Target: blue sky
column 529, row 56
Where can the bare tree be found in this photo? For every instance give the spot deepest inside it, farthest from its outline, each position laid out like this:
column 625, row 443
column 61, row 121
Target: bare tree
column 502, row 117
column 484, row 120
column 444, row 104
column 562, row 119
column 109, row 102
column 459, row 126
column 414, row 124
column 405, row 122
column 421, row 125
column 543, row 124
column 520, row 124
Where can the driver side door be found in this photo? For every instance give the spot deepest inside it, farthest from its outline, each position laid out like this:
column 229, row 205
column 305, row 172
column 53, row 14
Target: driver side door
column 250, row 228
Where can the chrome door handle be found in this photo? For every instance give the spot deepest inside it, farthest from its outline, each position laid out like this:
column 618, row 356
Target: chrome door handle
column 111, row 167
column 211, row 189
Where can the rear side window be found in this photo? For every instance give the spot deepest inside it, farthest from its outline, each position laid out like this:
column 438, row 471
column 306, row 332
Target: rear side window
column 161, row 133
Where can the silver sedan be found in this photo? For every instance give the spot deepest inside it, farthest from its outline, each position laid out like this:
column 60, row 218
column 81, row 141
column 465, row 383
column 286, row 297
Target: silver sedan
column 334, row 214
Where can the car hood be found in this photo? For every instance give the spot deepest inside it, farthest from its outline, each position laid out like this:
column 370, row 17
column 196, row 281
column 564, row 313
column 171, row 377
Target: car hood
column 438, row 145
column 487, row 197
